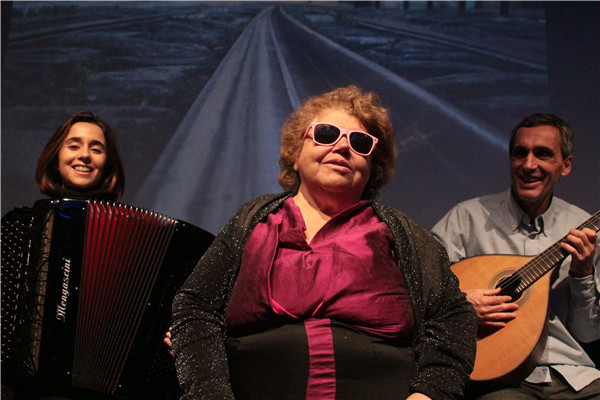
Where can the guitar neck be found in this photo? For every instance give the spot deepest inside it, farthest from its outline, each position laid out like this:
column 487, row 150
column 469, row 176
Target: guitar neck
column 550, row 258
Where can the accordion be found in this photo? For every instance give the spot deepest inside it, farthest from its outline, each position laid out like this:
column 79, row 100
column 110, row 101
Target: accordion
column 87, row 287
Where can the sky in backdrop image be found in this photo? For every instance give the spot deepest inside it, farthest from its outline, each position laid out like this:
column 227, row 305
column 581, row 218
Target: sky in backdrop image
column 197, row 92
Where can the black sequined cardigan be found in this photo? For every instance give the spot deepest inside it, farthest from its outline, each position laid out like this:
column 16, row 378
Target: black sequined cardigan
column 445, row 323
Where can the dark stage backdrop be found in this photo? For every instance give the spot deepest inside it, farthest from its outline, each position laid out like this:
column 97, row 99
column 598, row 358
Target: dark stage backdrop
column 197, row 91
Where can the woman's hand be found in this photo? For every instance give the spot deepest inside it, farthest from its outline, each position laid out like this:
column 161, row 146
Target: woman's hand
column 167, row 341
column 418, row 396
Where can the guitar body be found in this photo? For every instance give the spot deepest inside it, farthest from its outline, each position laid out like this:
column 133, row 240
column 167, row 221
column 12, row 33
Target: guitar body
column 509, row 354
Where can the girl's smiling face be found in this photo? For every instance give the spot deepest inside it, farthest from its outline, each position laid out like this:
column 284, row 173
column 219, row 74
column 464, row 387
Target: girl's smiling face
column 82, row 156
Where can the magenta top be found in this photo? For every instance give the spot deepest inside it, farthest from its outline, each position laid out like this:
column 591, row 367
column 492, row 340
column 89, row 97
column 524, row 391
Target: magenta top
column 348, row 273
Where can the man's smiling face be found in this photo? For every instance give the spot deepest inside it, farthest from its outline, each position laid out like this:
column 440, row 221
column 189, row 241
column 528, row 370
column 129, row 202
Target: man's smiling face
column 536, row 165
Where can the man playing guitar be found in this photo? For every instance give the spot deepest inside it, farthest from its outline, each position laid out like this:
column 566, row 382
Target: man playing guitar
column 525, row 220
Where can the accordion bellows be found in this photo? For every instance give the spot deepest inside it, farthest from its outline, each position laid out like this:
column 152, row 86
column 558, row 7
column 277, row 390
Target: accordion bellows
column 87, row 288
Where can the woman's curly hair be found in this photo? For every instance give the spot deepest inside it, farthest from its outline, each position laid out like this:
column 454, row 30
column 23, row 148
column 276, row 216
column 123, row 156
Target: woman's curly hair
column 367, row 108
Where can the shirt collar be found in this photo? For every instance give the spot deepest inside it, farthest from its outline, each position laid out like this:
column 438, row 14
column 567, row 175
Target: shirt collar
column 519, row 220
column 536, row 228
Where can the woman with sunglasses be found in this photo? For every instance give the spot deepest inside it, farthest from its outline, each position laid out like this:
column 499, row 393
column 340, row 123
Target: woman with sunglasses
column 321, row 292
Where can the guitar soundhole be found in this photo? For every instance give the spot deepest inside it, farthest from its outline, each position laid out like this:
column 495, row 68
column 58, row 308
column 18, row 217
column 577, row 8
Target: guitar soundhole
column 509, row 283
column 510, row 286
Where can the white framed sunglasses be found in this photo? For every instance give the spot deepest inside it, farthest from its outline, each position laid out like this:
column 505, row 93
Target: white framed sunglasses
column 325, row 134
